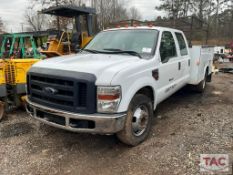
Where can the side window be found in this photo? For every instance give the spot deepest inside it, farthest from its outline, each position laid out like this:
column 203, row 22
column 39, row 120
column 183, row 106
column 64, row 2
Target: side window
column 167, row 47
column 182, row 44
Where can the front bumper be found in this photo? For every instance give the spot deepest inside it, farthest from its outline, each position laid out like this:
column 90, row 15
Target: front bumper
column 85, row 123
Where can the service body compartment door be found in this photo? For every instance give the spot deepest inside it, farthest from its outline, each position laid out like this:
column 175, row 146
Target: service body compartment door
column 201, row 59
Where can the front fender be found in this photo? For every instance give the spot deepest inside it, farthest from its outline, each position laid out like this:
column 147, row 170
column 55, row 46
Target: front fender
column 131, row 88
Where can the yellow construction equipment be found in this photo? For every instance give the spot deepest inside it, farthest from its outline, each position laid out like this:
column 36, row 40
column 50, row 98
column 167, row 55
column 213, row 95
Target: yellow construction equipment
column 18, row 53
column 66, row 43
column 2, row 87
column 58, row 47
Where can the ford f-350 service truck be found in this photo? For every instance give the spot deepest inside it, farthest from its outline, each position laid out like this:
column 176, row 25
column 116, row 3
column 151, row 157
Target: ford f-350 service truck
column 116, row 82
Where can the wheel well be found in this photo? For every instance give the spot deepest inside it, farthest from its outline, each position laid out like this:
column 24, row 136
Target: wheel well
column 148, row 91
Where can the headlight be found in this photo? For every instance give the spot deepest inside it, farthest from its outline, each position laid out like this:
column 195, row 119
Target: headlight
column 108, row 98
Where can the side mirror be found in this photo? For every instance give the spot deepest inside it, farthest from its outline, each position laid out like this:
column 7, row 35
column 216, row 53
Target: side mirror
column 166, row 60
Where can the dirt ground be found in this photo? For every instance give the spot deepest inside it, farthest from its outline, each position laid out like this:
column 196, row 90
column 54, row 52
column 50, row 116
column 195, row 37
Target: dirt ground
column 188, row 124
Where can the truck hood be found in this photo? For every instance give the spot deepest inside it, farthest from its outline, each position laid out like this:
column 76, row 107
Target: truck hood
column 103, row 66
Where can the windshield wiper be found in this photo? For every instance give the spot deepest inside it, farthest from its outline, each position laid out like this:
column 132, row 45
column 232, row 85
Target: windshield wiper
column 114, row 51
column 91, row 51
column 119, row 51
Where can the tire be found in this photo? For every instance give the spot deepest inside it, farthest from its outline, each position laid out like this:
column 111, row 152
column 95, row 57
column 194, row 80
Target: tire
column 2, row 110
column 202, row 85
column 137, row 126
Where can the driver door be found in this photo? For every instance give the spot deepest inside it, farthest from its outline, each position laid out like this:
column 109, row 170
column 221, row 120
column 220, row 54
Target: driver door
column 169, row 66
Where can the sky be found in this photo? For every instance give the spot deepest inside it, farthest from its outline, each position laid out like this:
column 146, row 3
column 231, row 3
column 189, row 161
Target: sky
column 12, row 12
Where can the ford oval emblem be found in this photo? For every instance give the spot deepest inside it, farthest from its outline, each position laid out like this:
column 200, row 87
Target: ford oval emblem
column 50, row 90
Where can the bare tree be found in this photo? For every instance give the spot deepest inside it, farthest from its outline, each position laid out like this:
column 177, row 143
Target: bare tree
column 36, row 20
column 1, row 25
column 187, row 7
column 62, row 22
column 109, row 11
column 216, row 16
column 134, row 14
column 173, row 8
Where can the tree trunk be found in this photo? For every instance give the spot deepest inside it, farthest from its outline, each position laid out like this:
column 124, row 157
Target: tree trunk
column 58, row 20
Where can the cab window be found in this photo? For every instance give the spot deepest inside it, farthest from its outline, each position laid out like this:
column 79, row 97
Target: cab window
column 167, row 47
column 182, row 44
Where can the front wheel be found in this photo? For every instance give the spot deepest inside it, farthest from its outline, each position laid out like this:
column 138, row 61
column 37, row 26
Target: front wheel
column 138, row 122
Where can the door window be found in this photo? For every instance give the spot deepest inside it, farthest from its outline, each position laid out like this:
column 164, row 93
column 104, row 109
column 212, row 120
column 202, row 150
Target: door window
column 167, row 47
column 182, row 44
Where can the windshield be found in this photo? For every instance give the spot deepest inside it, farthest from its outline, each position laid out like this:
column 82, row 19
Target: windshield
column 139, row 41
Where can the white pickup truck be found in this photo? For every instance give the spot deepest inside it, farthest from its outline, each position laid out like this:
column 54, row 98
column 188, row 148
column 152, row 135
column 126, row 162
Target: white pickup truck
column 116, row 82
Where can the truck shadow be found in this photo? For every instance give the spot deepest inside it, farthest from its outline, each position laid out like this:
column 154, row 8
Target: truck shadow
column 185, row 96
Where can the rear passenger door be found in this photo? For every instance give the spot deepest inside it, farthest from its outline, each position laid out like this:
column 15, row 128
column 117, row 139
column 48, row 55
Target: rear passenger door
column 169, row 73
column 185, row 59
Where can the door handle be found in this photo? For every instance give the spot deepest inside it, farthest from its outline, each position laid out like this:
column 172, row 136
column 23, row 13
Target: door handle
column 179, row 66
column 171, row 79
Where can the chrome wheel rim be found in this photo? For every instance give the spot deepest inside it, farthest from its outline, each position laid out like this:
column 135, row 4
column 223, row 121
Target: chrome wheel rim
column 140, row 120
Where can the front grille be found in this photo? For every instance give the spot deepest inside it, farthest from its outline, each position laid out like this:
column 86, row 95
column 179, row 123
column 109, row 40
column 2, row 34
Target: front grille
column 63, row 93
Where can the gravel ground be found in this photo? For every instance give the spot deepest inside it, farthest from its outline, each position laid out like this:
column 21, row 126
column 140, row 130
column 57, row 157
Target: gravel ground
column 188, row 124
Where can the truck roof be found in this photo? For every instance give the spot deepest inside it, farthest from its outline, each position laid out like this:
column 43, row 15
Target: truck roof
column 144, row 27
